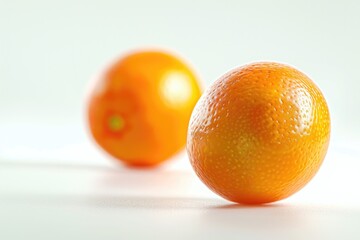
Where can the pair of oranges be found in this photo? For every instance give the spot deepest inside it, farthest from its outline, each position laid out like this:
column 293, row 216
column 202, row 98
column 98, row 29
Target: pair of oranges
column 258, row 134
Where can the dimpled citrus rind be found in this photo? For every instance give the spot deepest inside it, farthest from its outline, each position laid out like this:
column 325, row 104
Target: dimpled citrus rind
column 259, row 133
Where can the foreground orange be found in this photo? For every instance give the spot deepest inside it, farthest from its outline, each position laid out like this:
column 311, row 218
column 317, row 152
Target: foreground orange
column 259, row 133
column 140, row 108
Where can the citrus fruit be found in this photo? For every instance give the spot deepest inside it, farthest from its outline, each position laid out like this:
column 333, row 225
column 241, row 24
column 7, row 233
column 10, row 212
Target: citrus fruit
column 141, row 105
column 259, row 133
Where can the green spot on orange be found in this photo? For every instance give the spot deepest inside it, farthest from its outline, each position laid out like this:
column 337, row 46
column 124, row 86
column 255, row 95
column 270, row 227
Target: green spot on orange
column 116, row 123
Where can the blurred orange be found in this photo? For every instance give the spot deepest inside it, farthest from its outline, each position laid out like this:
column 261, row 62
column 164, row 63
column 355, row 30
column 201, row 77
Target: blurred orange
column 140, row 108
column 259, row 133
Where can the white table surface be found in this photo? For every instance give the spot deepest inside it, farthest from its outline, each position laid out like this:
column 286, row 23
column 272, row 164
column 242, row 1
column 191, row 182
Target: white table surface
column 71, row 190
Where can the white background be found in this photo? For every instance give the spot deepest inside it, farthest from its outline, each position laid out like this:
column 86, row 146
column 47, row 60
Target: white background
column 52, row 175
column 49, row 50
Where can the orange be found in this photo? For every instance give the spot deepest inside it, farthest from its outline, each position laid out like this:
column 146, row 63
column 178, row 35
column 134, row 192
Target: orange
column 140, row 108
column 259, row 133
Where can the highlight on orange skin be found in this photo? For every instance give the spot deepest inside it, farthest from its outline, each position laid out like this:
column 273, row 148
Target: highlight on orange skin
column 141, row 106
column 259, row 133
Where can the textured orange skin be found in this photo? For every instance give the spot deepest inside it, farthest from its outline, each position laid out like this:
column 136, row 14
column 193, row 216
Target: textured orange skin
column 259, row 133
column 155, row 125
